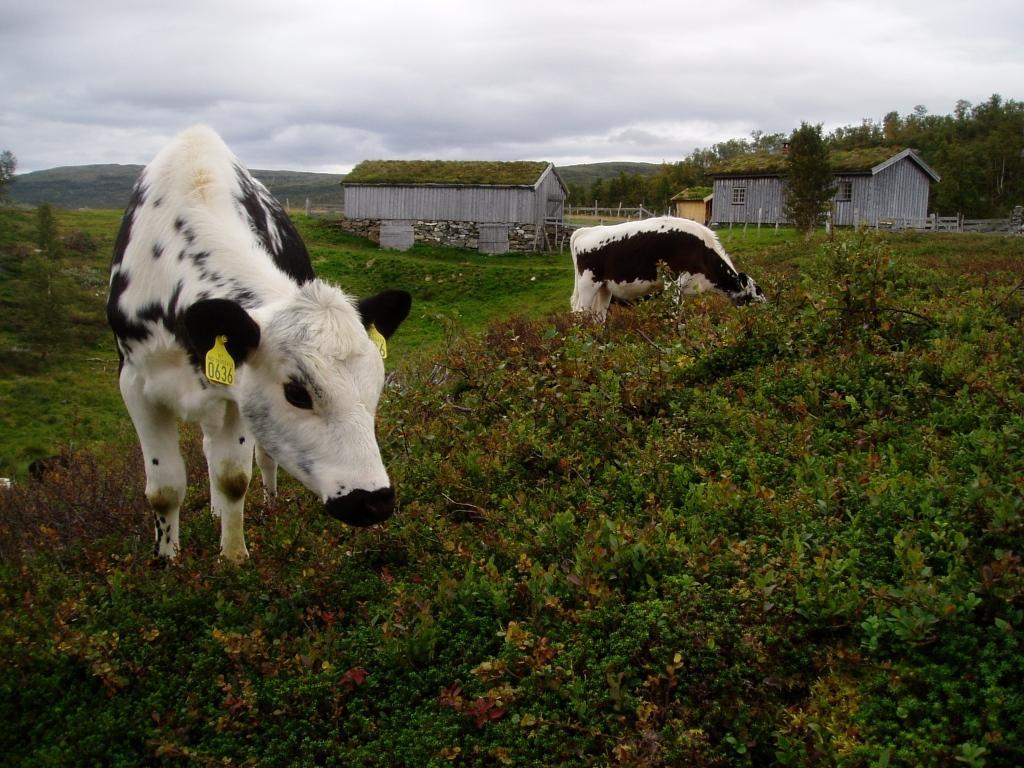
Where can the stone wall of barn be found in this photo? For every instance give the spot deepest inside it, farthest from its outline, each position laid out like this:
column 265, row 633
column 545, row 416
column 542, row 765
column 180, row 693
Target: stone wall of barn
column 487, row 238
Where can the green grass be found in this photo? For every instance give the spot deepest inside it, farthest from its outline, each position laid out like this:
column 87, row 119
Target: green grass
column 61, row 385
column 787, row 534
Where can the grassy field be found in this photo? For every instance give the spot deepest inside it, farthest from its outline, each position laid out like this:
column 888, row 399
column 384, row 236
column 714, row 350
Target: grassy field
column 58, row 385
column 787, row 534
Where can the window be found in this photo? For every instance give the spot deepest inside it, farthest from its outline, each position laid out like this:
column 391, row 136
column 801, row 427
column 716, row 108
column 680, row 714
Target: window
column 739, row 195
column 844, row 192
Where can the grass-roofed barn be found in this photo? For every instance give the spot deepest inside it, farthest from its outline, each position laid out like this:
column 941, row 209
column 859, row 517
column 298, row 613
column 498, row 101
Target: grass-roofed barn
column 873, row 185
column 492, row 206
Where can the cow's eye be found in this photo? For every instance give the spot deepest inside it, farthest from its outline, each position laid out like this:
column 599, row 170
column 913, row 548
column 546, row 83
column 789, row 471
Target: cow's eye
column 297, row 395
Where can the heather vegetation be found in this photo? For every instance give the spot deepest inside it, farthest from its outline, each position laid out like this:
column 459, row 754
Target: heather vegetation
column 786, row 534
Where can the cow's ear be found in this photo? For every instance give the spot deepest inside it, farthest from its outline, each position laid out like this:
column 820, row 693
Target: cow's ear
column 207, row 319
column 385, row 311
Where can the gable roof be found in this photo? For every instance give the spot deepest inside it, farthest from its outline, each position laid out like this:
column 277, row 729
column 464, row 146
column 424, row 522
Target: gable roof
column 520, row 173
column 867, row 160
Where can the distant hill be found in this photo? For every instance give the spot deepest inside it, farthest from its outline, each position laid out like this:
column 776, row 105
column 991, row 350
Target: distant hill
column 588, row 173
column 110, row 186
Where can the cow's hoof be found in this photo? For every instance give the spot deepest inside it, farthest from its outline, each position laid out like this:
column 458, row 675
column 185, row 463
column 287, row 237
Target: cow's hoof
column 236, row 557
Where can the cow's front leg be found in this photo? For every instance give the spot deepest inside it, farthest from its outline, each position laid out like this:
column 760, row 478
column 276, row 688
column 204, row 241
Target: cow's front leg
column 268, row 469
column 590, row 295
column 229, row 449
column 157, row 429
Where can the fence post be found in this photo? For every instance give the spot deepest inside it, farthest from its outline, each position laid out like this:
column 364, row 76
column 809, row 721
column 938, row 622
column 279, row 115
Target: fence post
column 309, row 207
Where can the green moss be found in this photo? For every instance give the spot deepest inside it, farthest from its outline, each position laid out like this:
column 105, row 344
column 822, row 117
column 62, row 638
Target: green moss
column 843, row 161
column 413, row 172
column 693, row 193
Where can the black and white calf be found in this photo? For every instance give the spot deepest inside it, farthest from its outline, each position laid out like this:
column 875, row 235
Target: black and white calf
column 206, row 258
column 620, row 261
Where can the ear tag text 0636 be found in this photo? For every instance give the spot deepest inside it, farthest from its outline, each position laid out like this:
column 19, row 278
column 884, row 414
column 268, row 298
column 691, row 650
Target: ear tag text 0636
column 379, row 340
column 220, row 367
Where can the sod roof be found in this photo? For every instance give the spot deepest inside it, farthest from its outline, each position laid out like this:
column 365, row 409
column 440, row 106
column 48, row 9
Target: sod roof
column 843, row 161
column 523, row 173
column 692, row 193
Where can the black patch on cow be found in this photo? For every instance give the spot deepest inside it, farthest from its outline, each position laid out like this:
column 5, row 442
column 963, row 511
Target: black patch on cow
column 125, row 328
column 241, row 441
column 156, row 462
column 637, row 258
column 186, row 231
column 205, row 320
column 386, row 310
column 264, row 213
column 139, row 327
column 158, row 250
column 124, row 234
column 171, row 317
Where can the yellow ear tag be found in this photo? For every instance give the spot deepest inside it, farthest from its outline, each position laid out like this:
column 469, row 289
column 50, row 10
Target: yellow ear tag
column 380, row 341
column 220, row 368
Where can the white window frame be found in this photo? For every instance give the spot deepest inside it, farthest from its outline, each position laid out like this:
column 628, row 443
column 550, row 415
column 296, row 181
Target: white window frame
column 844, row 191
column 739, row 195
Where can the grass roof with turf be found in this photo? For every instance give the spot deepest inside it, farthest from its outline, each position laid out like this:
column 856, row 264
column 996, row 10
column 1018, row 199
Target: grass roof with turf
column 520, row 173
column 843, row 161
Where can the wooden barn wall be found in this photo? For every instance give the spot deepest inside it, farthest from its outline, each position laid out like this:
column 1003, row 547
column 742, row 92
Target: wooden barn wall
column 902, row 191
column 691, row 209
column 861, row 208
column 476, row 204
column 763, row 193
column 549, row 190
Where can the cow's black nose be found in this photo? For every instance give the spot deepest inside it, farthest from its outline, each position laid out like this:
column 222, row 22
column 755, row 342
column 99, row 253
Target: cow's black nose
column 362, row 508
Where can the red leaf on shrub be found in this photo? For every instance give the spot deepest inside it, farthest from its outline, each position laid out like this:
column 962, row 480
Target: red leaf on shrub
column 484, row 711
column 354, row 678
column 385, row 575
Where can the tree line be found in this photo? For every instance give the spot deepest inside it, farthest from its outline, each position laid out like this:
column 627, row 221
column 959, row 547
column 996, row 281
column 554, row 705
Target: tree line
column 978, row 151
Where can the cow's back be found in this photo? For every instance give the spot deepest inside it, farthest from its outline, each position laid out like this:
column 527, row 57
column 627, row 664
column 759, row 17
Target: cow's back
column 622, row 253
column 197, row 226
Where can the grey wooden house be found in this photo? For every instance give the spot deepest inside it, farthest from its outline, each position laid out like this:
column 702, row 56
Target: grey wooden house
column 491, row 206
column 873, row 186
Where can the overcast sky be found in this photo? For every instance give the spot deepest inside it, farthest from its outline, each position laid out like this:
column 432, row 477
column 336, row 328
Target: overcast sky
column 319, row 86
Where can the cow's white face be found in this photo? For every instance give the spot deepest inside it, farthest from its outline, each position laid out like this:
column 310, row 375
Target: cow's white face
column 308, row 391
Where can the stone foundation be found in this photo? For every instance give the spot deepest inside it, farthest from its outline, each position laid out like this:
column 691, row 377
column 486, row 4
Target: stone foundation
column 486, row 238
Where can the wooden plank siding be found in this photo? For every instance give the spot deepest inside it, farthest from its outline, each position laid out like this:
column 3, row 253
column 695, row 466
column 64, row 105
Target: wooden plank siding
column 901, row 191
column 859, row 208
column 440, row 203
column 474, row 203
column 764, row 196
column 896, row 189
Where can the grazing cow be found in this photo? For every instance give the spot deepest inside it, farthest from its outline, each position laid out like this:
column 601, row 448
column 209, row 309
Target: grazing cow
column 219, row 319
column 621, row 262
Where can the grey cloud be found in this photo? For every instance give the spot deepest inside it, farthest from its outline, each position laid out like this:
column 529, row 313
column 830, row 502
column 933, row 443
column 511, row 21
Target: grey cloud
column 322, row 85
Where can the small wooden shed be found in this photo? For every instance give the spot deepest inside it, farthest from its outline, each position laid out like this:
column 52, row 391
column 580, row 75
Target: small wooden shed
column 491, row 206
column 872, row 185
column 694, row 203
